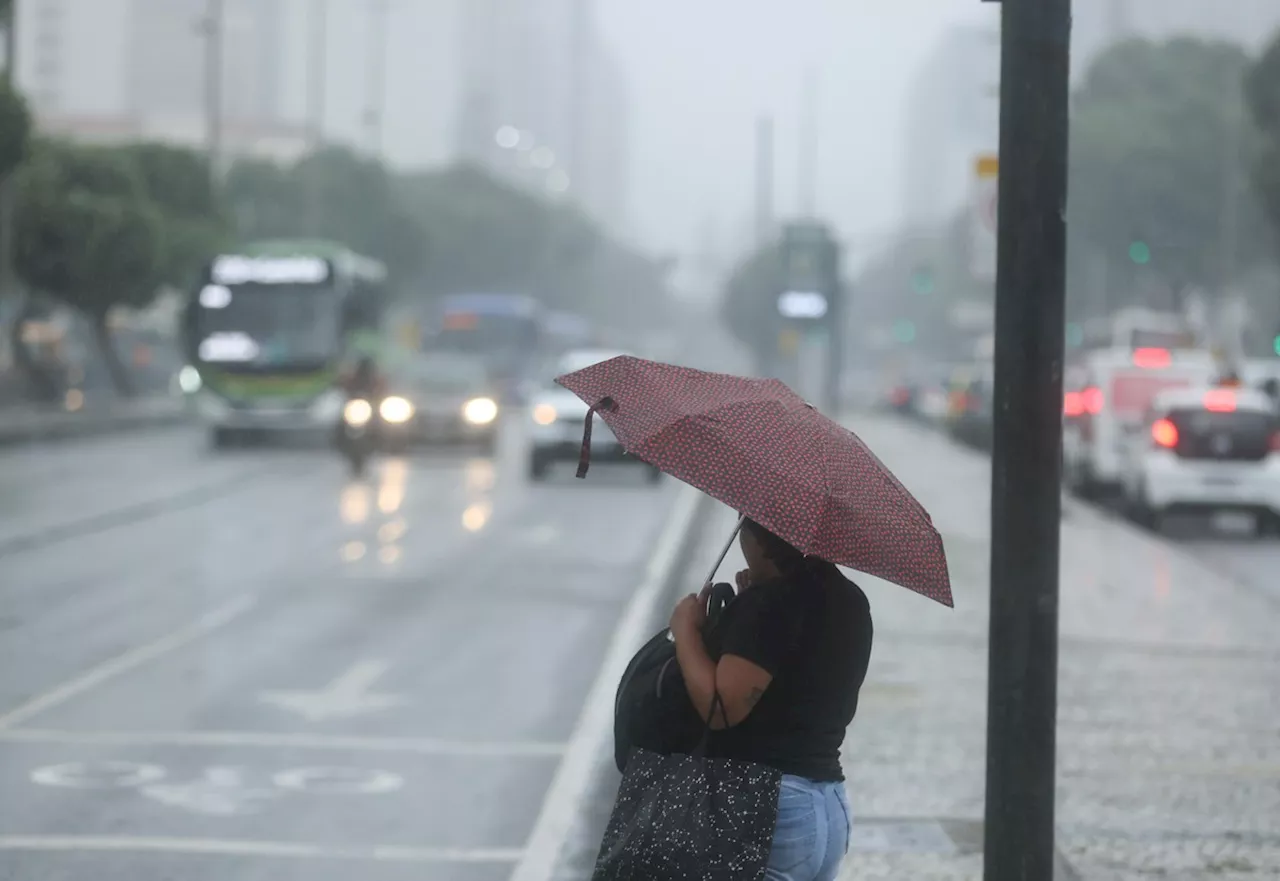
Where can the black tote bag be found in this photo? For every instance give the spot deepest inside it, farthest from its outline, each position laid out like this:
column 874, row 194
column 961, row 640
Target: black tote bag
column 685, row 817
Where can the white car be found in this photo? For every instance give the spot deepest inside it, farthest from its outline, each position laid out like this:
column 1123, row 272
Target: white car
column 557, row 417
column 1211, row 450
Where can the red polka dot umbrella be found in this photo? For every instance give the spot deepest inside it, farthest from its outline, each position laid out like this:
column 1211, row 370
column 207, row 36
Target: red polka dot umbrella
column 755, row 445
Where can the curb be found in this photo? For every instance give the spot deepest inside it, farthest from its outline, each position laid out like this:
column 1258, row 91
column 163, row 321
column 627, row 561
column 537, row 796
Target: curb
column 579, row 773
column 72, row 428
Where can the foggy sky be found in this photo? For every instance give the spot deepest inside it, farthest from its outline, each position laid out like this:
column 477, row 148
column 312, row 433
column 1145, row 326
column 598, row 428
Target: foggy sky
column 702, row 71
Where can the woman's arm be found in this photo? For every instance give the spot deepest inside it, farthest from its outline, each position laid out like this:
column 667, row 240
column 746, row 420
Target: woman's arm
column 739, row 682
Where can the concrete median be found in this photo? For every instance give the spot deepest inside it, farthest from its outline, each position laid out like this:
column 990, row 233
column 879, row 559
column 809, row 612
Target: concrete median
column 24, row 424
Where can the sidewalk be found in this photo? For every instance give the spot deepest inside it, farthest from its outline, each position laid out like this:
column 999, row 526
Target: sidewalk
column 1169, row 701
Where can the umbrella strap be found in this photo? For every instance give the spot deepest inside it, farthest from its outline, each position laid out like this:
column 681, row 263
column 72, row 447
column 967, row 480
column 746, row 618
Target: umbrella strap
column 607, row 404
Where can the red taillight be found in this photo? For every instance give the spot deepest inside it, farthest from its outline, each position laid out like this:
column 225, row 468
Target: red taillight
column 1151, row 358
column 1220, row 400
column 1091, row 400
column 1164, row 434
column 1275, row 441
column 1072, row 404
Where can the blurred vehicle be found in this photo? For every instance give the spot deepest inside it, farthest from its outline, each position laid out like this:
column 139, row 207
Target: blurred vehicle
column 357, row 433
column 1106, row 398
column 267, row 331
column 1213, row 450
column 558, row 417
column 969, row 411
column 506, row 331
column 440, row 398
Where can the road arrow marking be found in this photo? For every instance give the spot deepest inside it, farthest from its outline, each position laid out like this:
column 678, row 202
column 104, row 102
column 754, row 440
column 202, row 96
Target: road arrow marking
column 344, row 697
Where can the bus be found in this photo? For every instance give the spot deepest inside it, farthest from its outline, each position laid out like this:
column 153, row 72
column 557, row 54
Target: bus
column 268, row 330
column 506, row 331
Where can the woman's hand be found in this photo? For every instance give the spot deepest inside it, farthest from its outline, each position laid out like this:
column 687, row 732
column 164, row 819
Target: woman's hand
column 690, row 614
column 743, row 580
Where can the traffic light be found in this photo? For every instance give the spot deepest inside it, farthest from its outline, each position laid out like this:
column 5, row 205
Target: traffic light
column 904, row 331
column 922, row 280
column 1140, row 252
column 1275, row 344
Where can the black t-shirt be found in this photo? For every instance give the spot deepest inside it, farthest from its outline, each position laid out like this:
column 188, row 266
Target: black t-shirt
column 814, row 638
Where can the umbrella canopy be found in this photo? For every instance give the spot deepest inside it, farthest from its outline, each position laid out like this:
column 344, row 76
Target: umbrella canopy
column 757, row 446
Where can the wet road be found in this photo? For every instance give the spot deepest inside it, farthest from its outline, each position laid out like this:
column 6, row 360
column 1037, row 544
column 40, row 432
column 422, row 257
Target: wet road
column 248, row 666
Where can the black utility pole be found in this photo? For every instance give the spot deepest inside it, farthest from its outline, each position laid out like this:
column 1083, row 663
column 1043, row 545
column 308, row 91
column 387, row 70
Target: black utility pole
column 1026, row 489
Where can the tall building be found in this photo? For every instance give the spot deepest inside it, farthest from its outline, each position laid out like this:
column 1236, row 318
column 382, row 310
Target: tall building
column 539, row 72
column 136, row 69
column 952, row 116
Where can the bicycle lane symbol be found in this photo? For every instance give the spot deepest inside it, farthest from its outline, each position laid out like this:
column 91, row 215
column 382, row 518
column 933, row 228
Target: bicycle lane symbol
column 217, row 791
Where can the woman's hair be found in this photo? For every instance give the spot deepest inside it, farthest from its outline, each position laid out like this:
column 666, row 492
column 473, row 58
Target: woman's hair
column 786, row 556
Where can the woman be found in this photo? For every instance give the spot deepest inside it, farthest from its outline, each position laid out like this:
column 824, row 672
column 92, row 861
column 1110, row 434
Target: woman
column 787, row 660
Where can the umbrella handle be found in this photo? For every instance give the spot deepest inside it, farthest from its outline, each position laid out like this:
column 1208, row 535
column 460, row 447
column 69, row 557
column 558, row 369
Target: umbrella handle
column 724, row 552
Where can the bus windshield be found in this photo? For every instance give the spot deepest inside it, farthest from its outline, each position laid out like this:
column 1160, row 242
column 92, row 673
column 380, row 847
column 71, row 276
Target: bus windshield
column 272, row 324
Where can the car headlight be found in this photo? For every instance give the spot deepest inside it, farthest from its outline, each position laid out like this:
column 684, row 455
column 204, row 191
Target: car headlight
column 480, row 411
column 357, row 412
column 544, row 414
column 395, row 409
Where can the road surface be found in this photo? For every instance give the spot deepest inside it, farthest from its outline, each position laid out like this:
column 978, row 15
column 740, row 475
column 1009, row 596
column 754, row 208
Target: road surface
column 248, row 666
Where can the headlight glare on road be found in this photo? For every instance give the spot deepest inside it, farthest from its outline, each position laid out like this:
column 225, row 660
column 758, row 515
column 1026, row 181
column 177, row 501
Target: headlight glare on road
column 357, row 412
column 544, row 414
column 395, row 409
column 480, row 411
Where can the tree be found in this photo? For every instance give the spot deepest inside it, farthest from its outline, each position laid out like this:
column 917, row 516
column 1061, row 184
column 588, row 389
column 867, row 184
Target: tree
column 748, row 305
column 1158, row 136
column 87, row 236
column 331, row 194
column 1262, row 91
column 481, row 234
column 15, row 128
column 196, row 227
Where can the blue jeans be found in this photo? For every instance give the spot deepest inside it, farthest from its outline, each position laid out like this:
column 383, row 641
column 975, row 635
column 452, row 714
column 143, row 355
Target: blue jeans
column 812, row 834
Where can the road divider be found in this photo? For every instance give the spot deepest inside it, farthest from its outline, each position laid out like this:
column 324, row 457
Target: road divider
column 32, row 424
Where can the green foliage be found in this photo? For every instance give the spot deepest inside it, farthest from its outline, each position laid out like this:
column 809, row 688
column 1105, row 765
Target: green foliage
column 333, row 194
column 85, row 232
column 1158, row 135
column 749, row 303
column 1262, row 91
column 15, row 128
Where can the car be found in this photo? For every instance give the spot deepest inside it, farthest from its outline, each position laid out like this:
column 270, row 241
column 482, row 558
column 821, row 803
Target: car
column 1105, row 397
column 440, row 398
column 1210, row 450
column 557, row 416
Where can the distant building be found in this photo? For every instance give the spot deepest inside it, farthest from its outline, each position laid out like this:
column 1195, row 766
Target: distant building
column 952, row 117
column 564, row 124
column 113, row 70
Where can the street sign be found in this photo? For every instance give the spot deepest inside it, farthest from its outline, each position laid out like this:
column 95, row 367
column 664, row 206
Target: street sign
column 810, row 272
column 985, row 219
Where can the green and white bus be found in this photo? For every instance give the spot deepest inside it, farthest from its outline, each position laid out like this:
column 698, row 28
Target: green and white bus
column 268, row 330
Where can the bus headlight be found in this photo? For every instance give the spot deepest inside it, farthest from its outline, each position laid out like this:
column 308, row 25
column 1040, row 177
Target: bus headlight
column 395, row 410
column 189, row 380
column 357, row 412
column 480, row 411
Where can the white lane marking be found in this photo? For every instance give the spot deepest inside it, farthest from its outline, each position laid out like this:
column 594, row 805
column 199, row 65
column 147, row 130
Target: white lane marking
column 98, row 775
column 346, row 696
column 590, row 736
column 343, row 781
column 250, row 848
column 126, row 662
column 219, row 793
column 268, row 740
